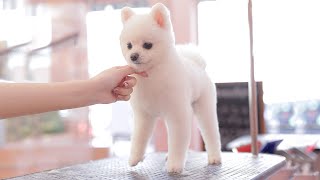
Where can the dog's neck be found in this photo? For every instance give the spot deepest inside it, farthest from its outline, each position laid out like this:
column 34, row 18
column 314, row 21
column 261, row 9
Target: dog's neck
column 164, row 62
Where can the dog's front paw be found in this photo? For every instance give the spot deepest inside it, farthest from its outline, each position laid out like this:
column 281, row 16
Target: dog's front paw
column 174, row 168
column 215, row 159
column 133, row 161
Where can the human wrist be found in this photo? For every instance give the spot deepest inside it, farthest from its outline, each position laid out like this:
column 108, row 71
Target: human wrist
column 82, row 93
column 89, row 93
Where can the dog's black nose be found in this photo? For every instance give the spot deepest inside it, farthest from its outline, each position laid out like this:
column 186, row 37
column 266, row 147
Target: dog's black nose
column 134, row 56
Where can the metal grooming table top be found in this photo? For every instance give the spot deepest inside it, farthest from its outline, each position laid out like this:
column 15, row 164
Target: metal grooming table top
column 234, row 166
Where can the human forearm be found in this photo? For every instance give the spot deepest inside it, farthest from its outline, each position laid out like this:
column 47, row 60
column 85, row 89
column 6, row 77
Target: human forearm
column 17, row 99
column 111, row 85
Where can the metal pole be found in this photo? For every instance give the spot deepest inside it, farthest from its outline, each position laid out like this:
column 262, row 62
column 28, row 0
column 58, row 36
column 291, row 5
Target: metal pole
column 252, row 91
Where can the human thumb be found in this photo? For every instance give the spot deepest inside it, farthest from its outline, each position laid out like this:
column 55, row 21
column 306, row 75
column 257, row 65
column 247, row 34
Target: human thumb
column 125, row 70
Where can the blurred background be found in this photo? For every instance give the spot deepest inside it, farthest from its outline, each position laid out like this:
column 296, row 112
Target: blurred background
column 62, row 40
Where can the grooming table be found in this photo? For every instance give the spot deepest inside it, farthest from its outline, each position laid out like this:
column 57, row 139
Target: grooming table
column 234, row 166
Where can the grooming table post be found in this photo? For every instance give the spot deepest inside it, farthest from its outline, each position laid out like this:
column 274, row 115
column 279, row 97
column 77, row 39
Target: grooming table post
column 252, row 91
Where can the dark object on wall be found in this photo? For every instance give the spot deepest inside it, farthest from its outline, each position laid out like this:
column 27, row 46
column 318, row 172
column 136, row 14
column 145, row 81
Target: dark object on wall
column 233, row 110
column 271, row 147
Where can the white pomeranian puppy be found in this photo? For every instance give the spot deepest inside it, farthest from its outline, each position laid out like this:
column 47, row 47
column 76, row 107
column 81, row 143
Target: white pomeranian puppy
column 176, row 88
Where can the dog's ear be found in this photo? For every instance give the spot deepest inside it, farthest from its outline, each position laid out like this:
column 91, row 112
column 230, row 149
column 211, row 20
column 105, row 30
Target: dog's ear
column 126, row 13
column 161, row 15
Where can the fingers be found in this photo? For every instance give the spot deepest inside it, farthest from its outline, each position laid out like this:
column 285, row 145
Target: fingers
column 122, row 91
column 129, row 82
column 123, row 98
column 125, row 87
column 143, row 74
column 125, row 70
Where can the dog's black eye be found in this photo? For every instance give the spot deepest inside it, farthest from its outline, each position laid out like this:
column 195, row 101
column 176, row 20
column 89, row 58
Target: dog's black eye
column 147, row 45
column 129, row 45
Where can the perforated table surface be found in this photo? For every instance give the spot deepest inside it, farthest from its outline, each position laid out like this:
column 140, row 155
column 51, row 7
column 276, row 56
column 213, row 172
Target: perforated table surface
column 234, row 166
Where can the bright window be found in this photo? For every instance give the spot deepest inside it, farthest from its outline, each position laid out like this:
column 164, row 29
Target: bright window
column 286, row 50
column 286, row 45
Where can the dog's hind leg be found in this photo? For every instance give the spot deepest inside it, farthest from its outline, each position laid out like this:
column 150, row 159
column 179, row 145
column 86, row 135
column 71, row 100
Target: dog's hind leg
column 143, row 128
column 205, row 109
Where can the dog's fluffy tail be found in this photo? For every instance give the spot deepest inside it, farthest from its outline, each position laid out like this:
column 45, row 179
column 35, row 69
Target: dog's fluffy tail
column 191, row 52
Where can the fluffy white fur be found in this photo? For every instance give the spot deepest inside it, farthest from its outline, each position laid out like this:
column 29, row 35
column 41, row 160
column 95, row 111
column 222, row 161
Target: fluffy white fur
column 177, row 88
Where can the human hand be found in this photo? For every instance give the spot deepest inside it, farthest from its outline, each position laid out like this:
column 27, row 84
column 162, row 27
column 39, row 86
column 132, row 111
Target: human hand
column 113, row 84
